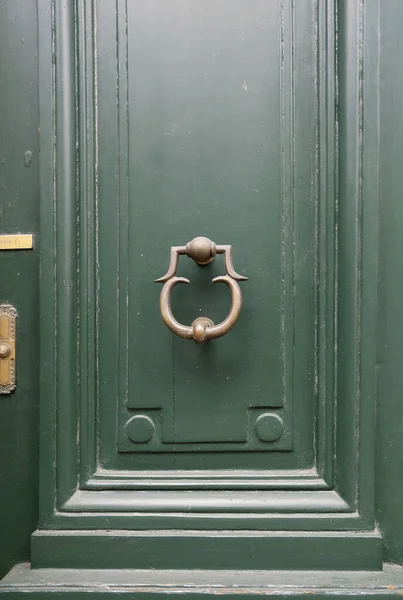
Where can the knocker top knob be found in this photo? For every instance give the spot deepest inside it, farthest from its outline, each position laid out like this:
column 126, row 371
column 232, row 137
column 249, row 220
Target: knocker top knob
column 202, row 250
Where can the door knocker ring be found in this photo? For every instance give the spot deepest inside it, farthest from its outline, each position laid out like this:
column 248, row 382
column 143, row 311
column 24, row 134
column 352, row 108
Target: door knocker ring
column 202, row 251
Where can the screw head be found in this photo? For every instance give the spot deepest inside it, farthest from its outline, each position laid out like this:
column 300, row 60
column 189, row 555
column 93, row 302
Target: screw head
column 5, row 349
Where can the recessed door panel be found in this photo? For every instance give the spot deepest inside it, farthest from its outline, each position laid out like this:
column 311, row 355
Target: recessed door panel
column 206, row 124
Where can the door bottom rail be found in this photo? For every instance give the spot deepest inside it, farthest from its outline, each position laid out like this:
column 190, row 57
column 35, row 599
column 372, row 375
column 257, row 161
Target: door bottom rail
column 74, row 584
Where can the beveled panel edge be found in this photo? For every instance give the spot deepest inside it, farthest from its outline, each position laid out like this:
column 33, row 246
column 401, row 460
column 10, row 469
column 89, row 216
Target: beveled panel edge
column 358, row 147
column 267, row 522
column 242, row 479
column 327, row 234
column 205, row 501
column 58, row 318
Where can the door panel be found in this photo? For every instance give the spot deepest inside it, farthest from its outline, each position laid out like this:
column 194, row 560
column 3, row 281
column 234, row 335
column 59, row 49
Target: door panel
column 200, row 140
column 225, row 119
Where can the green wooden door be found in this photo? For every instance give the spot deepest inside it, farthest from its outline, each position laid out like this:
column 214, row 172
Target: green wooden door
column 215, row 119
column 244, row 122
column 161, row 122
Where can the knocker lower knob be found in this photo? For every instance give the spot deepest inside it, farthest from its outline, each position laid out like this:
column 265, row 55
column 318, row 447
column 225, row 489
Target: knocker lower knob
column 200, row 327
column 202, row 251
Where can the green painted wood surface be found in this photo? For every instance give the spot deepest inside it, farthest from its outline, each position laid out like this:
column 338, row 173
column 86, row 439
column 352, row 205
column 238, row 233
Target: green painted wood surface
column 209, row 550
column 378, row 192
column 184, row 155
column 109, row 155
column 389, row 457
column 75, row 584
column 19, row 275
column 141, row 152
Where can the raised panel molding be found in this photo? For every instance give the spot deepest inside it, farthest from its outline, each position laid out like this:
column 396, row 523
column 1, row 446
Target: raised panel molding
column 111, row 128
column 89, row 475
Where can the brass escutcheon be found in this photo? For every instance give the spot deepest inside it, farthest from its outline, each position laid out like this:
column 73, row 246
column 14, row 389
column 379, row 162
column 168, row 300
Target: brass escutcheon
column 202, row 251
column 8, row 318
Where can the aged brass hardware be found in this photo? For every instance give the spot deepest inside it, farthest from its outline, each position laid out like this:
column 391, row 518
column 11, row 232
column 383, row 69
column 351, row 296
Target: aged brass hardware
column 5, row 350
column 202, row 251
column 8, row 318
column 19, row 241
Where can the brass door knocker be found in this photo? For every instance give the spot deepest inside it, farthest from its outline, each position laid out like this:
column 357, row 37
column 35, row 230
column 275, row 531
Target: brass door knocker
column 202, row 251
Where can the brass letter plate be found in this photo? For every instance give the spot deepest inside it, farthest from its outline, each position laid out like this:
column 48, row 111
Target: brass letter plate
column 8, row 318
column 19, row 241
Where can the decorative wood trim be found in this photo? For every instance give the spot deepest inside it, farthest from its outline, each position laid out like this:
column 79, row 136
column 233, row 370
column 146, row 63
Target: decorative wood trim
column 206, row 501
column 278, row 480
column 199, row 550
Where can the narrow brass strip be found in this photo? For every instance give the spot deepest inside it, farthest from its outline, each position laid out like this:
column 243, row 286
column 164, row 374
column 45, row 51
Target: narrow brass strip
column 20, row 241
